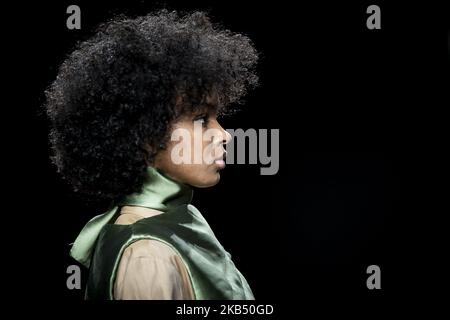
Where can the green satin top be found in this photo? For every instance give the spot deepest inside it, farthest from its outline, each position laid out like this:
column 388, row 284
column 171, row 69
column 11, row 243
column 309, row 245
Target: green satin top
column 101, row 243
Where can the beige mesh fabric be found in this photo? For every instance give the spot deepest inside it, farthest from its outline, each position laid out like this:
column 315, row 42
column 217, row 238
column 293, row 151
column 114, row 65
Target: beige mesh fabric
column 150, row 269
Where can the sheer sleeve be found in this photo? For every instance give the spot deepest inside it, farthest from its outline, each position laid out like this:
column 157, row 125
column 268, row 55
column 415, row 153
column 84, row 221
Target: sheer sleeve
column 150, row 269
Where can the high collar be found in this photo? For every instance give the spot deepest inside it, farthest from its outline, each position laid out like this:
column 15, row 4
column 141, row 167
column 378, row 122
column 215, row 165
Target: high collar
column 159, row 192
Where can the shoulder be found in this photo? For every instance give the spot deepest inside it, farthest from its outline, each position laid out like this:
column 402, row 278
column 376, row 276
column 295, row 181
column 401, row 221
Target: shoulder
column 149, row 248
column 151, row 269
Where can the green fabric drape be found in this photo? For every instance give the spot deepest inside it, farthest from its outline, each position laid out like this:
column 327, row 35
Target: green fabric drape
column 101, row 243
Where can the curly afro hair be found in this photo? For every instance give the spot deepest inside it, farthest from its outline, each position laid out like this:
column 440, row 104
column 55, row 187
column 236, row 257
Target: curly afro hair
column 117, row 94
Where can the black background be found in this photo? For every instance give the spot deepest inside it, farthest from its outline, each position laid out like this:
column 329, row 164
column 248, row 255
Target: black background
column 351, row 105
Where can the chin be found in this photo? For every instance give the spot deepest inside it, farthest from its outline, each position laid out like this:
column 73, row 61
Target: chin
column 210, row 181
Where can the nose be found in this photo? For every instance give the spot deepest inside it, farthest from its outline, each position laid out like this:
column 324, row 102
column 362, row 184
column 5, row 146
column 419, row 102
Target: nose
column 226, row 136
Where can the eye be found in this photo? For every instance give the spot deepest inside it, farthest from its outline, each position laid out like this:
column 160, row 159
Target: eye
column 204, row 118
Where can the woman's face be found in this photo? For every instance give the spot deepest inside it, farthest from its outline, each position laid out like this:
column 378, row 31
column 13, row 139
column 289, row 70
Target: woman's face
column 195, row 153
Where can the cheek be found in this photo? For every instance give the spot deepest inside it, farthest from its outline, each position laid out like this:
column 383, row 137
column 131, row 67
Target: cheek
column 201, row 174
column 208, row 153
column 212, row 146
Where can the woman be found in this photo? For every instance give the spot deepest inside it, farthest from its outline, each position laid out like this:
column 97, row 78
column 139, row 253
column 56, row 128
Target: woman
column 124, row 110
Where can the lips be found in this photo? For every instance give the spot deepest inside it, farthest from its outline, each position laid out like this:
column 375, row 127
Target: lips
column 220, row 162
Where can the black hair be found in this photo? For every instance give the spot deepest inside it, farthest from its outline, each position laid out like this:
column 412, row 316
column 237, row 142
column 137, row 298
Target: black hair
column 115, row 96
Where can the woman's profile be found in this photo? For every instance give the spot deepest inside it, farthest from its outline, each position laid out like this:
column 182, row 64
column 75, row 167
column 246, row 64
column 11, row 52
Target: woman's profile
column 114, row 107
